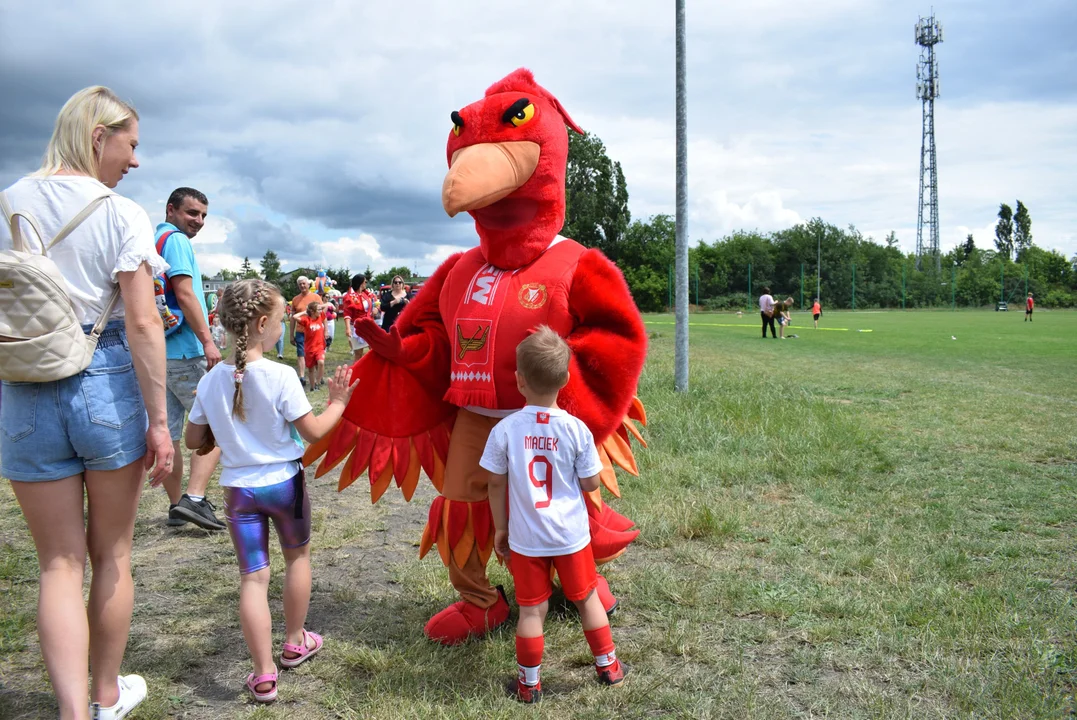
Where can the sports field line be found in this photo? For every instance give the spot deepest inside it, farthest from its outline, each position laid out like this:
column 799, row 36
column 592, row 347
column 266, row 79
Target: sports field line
column 739, row 325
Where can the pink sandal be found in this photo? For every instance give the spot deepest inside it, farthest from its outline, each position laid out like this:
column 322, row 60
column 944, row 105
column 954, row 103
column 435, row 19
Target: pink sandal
column 303, row 653
column 253, row 683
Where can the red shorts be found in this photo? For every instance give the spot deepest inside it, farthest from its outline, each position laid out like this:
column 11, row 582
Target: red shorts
column 534, row 584
column 312, row 360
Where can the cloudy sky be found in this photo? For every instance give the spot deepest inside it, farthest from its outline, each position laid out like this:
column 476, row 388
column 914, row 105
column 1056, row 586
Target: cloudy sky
column 317, row 129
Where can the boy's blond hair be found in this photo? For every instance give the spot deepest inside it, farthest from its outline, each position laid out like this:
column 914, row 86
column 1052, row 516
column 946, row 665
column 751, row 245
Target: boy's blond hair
column 542, row 360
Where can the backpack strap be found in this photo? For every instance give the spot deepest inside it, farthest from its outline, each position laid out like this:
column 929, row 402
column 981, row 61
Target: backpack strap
column 12, row 219
column 161, row 251
column 77, row 220
column 16, row 229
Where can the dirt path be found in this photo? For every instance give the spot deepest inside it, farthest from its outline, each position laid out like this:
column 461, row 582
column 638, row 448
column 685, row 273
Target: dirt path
column 186, row 630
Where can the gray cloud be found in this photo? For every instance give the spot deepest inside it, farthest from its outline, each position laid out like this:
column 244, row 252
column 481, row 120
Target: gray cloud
column 304, row 127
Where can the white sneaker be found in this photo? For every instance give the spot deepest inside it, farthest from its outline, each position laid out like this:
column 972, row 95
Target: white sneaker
column 132, row 692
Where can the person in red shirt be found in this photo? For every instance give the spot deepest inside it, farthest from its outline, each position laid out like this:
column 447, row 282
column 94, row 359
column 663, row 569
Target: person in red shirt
column 816, row 311
column 356, row 304
column 1029, row 304
column 313, row 325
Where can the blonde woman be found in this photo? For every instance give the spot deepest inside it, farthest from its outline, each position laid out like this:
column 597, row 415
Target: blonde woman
column 88, row 440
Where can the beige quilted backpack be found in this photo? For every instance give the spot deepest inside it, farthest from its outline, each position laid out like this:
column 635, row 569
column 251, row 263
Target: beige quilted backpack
column 41, row 338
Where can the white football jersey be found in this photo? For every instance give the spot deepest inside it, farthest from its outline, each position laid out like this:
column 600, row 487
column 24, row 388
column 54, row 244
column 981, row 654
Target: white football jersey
column 544, row 451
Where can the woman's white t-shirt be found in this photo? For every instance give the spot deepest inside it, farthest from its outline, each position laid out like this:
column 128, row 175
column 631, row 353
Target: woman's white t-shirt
column 117, row 237
column 263, row 449
column 545, row 451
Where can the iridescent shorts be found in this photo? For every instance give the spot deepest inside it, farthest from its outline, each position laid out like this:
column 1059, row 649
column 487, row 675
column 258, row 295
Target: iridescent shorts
column 249, row 511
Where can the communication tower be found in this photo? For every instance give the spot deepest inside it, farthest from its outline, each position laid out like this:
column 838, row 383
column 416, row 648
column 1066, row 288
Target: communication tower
column 928, row 34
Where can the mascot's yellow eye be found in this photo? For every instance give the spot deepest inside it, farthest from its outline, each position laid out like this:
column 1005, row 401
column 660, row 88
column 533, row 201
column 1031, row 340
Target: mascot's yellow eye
column 519, row 113
column 457, row 123
column 456, row 130
column 523, row 116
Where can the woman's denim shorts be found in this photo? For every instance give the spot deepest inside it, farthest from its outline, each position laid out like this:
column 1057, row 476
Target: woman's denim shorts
column 95, row 420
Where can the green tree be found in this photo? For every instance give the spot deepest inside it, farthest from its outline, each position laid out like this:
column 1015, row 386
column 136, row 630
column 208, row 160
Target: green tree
column 967, row 249
column 230, row 275
column 1022, row 229
column 246, row 270
column 596, row 196
column 1004, row 231
column 270, row 267
column 892, row 239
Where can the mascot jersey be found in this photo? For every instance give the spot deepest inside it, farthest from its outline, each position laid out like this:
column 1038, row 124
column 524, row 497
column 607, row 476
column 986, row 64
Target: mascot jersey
column 491, row 311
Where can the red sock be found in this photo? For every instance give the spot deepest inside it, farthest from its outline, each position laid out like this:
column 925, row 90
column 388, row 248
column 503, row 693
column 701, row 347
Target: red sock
column 601, row 642
column 529, row 657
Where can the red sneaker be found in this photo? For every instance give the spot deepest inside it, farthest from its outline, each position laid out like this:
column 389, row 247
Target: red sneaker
column 612, row 675
column 528, row 694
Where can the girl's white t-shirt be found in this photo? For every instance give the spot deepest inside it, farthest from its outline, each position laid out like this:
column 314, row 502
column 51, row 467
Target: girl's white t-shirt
column 545, row 451
column 117, row 237
column 264, row 449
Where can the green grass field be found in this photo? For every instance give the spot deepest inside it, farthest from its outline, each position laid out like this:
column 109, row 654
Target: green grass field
column 846, row 524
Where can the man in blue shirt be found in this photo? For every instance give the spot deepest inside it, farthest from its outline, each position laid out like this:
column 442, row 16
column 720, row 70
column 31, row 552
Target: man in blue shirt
column 190, row 351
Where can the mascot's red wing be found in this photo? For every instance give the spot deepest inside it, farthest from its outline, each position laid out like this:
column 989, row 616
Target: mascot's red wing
column 609, row 348
column 396, row 422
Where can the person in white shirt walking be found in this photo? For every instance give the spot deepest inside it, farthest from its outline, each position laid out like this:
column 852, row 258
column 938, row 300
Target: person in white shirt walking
column 252, row 408
column 77, row 449
column 541, row 461
column 766, row 311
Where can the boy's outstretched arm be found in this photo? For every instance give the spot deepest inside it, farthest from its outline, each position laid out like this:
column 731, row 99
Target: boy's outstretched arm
column 498, row 494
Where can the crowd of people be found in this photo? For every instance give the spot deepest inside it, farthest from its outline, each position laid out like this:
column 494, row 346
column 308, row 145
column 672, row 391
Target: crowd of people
column 78, row 449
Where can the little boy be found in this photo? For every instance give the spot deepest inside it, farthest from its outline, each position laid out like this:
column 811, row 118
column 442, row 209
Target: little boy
column 1029, row 305
column 543, row 460
column 313, row 325
column 781, row 313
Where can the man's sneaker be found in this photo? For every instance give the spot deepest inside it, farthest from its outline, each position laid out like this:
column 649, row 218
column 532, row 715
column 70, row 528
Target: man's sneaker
column 200, row 513
column 132, row 692
column 173, row 519
column 529, row 694
column 612, row 675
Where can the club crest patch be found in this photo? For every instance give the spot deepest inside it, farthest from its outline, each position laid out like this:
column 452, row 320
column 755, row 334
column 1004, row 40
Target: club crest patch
column 470, row 345
column 533, row 296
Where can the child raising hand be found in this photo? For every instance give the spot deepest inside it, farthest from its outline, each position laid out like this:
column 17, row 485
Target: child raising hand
column 252, row 408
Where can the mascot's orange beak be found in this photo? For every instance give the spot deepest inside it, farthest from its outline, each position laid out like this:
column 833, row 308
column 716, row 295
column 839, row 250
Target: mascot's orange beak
column 480, row 175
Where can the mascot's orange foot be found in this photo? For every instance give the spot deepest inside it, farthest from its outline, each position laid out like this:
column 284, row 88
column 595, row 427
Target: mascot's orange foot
column 462, row 620
column 609, row 602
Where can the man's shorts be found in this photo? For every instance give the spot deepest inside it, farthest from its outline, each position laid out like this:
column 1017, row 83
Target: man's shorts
column 311, row 359
column 300, row 346
column 181, row 381
column 532, row 576
column 95, row 420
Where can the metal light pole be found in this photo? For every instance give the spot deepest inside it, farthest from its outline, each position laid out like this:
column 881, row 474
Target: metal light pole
column 680, row 372
column 818, row 264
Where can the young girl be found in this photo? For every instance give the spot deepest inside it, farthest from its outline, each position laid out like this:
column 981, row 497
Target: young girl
column 313, row 325
column 251, row 407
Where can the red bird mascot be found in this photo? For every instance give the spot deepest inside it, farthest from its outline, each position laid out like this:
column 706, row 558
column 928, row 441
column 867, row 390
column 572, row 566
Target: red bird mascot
column 446, row 370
